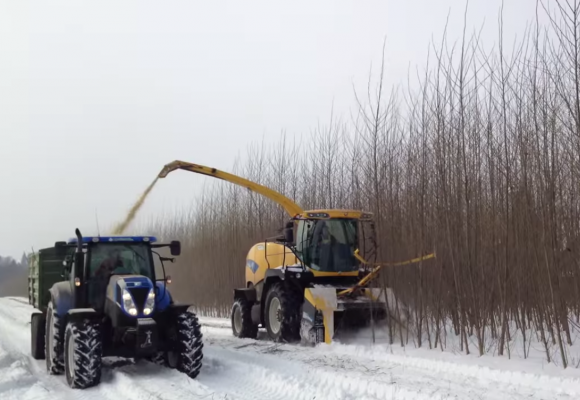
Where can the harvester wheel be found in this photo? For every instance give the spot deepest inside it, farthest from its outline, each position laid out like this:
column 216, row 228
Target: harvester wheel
column 83, row 354
column 189, row 345
column 242, row 324
column 53, row 346
column 282, row 313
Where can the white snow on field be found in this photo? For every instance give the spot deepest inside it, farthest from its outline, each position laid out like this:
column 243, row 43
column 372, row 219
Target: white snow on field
column 259, row 369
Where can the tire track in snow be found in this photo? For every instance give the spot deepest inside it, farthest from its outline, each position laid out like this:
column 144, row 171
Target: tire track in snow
column 147, row 380
column 244, row 369
column 265, row 376
column 363, row 377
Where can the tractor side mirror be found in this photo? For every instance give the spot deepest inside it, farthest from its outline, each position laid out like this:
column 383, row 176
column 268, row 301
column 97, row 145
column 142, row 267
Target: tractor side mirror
column 175, row 247
column 289, row 232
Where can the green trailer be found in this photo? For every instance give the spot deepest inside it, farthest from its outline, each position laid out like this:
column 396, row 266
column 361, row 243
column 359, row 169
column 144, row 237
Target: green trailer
column 45, row 268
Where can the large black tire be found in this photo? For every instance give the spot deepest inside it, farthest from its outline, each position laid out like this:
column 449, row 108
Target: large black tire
column 83, row 354
column 54, row 353
column 286, row 304
column 242, row 324
column 37, row 340
column 189, row 344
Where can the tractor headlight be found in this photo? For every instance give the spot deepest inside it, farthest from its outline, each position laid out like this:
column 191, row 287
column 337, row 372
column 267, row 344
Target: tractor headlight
column 128, row 303
column 149, row 303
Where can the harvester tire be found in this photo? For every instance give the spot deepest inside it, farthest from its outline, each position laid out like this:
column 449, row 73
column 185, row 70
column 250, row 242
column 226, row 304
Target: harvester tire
column 53, row 346
column 189, row 344
column 83, row 354
column 242, row 324
column 282, row 313
column 37, row 340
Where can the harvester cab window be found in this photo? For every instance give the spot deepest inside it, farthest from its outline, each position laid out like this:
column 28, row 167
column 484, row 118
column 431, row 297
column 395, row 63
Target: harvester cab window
column 331, row 245
column 304, row 233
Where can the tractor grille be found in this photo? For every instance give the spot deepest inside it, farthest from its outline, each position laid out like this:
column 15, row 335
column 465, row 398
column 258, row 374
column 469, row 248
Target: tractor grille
column 139, row 296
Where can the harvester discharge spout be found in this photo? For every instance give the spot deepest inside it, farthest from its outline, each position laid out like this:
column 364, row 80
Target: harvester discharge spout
column 289, row 206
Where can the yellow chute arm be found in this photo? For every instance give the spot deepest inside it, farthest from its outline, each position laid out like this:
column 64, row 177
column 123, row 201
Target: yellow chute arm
column 375, row 272
column 291, row 208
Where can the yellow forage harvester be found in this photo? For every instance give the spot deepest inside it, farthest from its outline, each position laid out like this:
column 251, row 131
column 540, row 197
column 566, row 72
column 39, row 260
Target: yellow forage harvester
column 309, row 282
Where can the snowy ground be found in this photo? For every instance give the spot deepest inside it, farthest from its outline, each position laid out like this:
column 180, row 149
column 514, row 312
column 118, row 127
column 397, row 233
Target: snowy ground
column 259, row 369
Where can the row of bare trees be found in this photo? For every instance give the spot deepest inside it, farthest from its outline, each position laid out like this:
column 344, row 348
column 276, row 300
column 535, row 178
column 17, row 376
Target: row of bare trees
column 481, row 163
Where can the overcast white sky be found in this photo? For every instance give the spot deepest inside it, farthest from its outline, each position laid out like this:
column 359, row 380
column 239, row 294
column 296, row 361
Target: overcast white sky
column 95, row 97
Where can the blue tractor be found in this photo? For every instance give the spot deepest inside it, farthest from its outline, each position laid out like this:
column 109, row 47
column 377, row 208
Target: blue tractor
column 109, row 302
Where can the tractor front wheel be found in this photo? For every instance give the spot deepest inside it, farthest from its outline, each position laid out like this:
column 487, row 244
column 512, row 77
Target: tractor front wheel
column 83, row 354
column 242, row 324
column 188, row 355
column 53, row 341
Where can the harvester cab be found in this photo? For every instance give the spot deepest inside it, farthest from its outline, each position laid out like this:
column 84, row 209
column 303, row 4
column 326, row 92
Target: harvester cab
column 110, row 302
column 326, row 247
column 305, row 283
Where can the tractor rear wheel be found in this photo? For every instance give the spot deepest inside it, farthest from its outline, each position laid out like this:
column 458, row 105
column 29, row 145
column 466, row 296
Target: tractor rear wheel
column 83, row 354
column 242, row 324
column 53, row 346
column 282, row 313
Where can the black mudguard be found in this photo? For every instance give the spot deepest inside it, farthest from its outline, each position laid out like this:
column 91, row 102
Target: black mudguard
column 248, row 293
column 62, row 296
column 81, row 314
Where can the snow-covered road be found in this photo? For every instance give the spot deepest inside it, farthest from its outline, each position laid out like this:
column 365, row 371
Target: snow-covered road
column 259, row 369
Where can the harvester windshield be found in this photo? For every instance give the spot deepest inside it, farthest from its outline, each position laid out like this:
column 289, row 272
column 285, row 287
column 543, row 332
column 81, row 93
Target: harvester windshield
column 328, row 245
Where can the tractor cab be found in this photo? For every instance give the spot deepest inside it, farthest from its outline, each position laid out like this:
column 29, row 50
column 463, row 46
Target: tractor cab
column 117, row 257
column 110, row 303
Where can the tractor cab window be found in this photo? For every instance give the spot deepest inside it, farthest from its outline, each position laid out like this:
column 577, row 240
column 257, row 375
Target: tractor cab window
column 328, row 245
column 120, row 258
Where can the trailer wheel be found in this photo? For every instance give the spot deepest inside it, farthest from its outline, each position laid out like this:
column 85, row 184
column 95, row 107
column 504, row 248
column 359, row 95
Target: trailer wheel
column 37, row 340
column 83, row 354
column 242, row 324
column 188, row 355
column 282, row 313
column 53, row 342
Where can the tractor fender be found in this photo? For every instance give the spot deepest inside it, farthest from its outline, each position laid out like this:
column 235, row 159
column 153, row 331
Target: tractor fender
column 62, row 297
column 79, row 314
column 163, row 297
column 176, row 309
